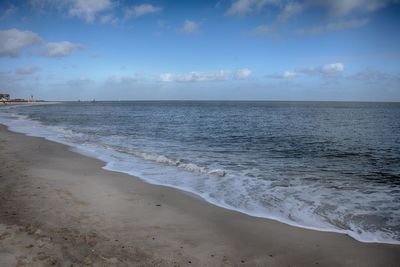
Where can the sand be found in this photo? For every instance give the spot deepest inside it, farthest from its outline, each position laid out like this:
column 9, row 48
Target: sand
column 60, row 208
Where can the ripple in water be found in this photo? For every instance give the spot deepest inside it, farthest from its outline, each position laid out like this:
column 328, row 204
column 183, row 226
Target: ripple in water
column 319, row 165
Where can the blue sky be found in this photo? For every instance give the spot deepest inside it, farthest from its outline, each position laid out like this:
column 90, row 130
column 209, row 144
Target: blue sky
column 239, row 49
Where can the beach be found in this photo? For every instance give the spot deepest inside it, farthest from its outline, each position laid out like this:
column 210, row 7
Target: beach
column 200, row 133
column 61, row 208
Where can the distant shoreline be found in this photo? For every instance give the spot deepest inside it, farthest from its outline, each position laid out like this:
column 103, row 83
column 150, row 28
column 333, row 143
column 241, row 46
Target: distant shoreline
column 13, row 103
column 205, row 100
column 195, row 101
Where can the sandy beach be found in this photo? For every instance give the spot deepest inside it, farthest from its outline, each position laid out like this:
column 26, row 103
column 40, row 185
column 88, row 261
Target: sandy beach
column 60, row 208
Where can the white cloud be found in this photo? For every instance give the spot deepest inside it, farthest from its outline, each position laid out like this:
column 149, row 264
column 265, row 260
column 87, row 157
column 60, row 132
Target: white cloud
column 61, row 49
column 372, row 75
column 334, row 26
column 117, row 79
column 84, row 9
column 289, row 74
column 308, row 70
column 141, row 10
column 27, row 70
column 327, row 70
column 13, row 41
column 262, row 30
column 246, row 7
column 333, row 68
column 87, row 9
column 108, row 19
column 196, row 76
column 242, row 74
column 283, row 75
column 291, row 9
column 189, row 26
column 166, row 77
column 339, row 8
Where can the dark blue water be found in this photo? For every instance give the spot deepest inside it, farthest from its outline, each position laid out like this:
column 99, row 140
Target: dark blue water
column 331, row 166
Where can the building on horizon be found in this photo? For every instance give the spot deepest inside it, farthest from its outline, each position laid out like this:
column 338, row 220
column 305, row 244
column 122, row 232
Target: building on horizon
column 4, row 98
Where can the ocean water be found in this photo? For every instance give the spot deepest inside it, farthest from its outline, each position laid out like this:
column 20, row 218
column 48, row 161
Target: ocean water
column 329, row 166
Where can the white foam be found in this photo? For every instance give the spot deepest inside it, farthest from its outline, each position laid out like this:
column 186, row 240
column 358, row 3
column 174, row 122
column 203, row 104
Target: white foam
column 217, row 186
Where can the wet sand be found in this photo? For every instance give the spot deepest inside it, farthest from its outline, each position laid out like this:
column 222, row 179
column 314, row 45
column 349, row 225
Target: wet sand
column 60, row 208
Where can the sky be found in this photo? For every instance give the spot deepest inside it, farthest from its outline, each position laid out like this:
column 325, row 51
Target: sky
column 343, row 50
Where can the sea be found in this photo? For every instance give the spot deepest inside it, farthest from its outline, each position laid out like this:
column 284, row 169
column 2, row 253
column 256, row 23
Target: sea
column 327, row 166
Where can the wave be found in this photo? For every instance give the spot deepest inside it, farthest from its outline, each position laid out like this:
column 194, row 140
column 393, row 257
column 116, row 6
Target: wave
column 179, row 163
column 226, row 190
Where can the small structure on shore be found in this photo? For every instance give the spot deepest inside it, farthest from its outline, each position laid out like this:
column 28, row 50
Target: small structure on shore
column 4, row 98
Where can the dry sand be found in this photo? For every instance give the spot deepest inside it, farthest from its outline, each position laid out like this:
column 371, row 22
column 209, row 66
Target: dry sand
column 60, row 208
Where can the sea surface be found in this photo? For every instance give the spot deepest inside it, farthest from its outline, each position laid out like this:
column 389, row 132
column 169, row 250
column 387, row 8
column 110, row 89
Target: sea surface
column 329, row 166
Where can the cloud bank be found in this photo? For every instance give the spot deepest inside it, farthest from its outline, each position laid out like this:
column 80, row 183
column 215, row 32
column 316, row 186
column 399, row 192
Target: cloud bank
column 327, row 70
column 141, row 10
column 247, row 7
column 289, row 8
column 189, row 26
column 14, row 40
column 61, row 49
column 87, row 9
column 336, row 26
column 340, row 8
column 196, row 76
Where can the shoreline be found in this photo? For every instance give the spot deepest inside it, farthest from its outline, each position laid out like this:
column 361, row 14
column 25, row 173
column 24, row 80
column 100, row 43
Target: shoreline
column 106, row 162
column 361, row 236
column 60, row 192
column 21, row 103
column 209, row 201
